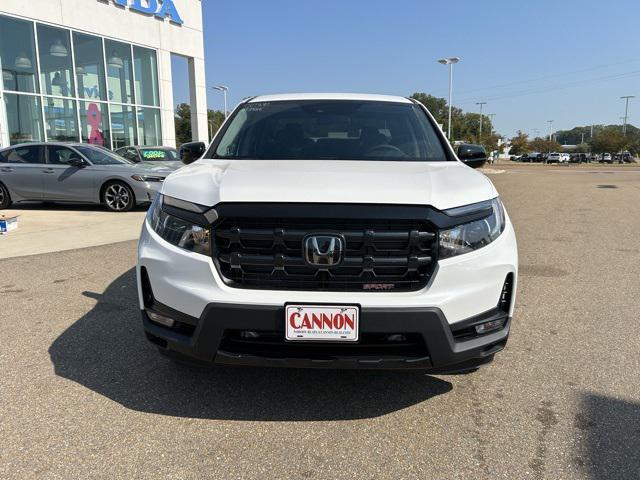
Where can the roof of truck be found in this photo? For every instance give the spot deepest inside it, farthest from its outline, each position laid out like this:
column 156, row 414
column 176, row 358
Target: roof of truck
column 329, row 96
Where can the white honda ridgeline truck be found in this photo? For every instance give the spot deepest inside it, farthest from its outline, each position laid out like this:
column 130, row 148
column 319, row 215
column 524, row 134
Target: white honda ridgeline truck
column 328, row 230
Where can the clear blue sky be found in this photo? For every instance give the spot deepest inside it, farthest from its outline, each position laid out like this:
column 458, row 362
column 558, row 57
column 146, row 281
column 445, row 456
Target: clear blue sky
column 530, row 61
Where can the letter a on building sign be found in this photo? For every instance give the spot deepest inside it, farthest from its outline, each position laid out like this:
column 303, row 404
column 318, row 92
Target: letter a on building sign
column 168, row 9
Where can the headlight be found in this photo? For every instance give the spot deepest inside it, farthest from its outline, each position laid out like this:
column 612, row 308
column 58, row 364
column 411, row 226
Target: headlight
column 147, row 178
column 471, row 236
column 176, row 231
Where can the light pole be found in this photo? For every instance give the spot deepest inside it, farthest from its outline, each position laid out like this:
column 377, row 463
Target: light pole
column 550, row 122
column 224, row 91
column 491, row 115
column 480, row 132
column 449, row 61
column 626, row 112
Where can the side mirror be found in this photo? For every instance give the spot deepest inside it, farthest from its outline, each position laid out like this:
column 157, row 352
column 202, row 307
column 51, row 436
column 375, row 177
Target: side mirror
column 472, row 156
column 76, row 162
column 190, row 152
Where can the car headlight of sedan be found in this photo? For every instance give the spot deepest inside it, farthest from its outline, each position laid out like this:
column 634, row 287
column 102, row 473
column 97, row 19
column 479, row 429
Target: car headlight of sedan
column 179, row 231
column 147, row 178
column 473, row 235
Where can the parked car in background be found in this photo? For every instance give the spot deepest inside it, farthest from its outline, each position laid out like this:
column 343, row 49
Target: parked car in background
column 76, row 173
column 532, row 157
column 162, row 156
column 556, row 157
column 606, row 158
column 471, row 154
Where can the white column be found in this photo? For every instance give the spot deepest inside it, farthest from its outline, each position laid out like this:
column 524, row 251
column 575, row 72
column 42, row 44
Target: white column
column 167, row 108
column 198, row 92
column 4, row 130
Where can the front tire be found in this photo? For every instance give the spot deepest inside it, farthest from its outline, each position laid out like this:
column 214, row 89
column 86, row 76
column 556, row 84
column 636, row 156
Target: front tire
column 118, row 197
column 5, row 199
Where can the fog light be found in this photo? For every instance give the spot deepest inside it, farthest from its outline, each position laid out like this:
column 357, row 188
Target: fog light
column 489, row 326
column 161, row 319
column 249, row 334
column 396, row 338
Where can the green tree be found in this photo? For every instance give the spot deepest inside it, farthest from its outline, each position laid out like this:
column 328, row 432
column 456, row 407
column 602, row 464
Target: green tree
column 465, row 126
column 544, row 146
column 583, row 148
column 437, row 106
column 519, row 144
column 216, row 118
column 610, row 140
column 183, row 122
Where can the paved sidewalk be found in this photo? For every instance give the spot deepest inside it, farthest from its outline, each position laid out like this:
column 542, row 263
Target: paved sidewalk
column 53, row 228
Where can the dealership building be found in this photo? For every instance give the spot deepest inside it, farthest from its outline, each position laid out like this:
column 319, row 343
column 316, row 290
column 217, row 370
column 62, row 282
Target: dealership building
column 98, row 71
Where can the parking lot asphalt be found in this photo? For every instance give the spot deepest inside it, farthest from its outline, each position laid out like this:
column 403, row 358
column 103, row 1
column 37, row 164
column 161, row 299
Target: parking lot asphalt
column 83, row 395
column 45, row 228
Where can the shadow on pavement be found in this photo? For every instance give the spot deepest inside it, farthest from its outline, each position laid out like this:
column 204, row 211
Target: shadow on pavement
column 106, row 351
column 612, row 437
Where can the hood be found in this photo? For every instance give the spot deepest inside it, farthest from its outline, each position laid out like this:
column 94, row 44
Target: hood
column 440, row 184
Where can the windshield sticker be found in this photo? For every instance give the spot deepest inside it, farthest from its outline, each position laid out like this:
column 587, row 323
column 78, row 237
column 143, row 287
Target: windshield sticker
column 154, row 154
column 257, row 107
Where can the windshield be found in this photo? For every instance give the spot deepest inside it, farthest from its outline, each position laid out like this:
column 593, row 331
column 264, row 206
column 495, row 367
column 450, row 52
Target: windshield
column 98, row 156
column 158, row 154
column 339, row 129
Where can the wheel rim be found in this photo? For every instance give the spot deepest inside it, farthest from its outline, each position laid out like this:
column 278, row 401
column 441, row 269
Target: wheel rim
column 117, row 197
column 2, row 195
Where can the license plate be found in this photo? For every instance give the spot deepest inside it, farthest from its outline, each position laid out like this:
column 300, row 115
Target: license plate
column 328, row 323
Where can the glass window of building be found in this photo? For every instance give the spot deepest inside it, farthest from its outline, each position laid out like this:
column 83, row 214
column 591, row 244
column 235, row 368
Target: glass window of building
column 61, row 121
column 62, row 85
column 149, row 131
column 89, row 67
column 119, row 72
column 94, row 123
column 123, row 126
column 146, row 73
column 54, row 48
column 18, row 55
column 24, row 118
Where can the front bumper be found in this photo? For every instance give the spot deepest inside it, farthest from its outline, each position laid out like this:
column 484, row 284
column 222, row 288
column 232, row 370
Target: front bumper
column 432, row 344
column 187, row 287
column 145, row 192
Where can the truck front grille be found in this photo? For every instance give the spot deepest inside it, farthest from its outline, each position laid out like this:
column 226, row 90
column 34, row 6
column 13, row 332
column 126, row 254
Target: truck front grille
column 378, row 255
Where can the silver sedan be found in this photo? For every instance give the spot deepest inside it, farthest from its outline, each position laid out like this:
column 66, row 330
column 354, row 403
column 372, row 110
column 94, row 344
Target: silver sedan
column 75, row 173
